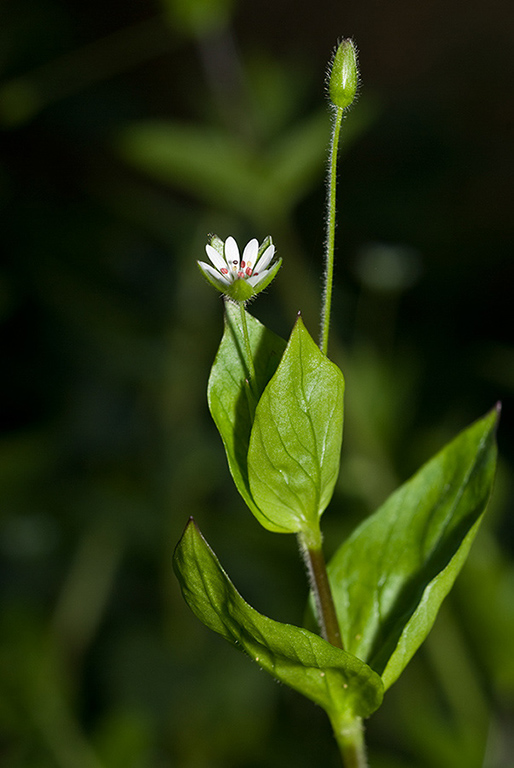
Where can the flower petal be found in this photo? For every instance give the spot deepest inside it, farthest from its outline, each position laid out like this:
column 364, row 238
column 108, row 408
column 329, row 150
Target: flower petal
column 231, row 253
column 214, row 273
column 250, row 252
column 256, row 279
column 214, row 256
column 265, row 258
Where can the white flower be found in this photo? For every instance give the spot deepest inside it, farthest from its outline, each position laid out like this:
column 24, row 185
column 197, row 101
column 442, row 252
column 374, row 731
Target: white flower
column 240, row 277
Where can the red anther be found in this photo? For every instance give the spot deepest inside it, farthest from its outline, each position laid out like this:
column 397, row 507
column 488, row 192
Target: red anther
column 224, row 271
column 242, row 265
column 240, row 273
column 248, row 271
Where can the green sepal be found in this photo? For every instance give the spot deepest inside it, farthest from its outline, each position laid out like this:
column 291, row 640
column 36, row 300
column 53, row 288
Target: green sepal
column 218, row 244
column 241, row 290
column 232, row 401
column 295, row 443
column 218, row 284
column 340, row 683
column 390, row 577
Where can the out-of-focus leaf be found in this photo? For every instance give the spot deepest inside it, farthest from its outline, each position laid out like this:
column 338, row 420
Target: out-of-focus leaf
column 198, row 17
column 123, row 739
column 340, row 683
column 295, row 444
column 390, row 577
column 486, row 605
column 220, row 169
column 207, row 162
column 230, row 397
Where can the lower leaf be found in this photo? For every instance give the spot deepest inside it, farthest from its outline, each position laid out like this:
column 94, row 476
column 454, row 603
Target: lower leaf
column 391, row 576
column 336, row 680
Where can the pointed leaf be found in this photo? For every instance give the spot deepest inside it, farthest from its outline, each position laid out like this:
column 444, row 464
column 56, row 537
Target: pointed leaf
column 295, row 445
column 391, row 576
column 330, row 677
column 231, row 401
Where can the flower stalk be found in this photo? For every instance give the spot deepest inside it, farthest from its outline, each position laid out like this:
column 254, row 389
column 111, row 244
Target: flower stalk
column 331, row 230
column 248, row 349
column 342, row 88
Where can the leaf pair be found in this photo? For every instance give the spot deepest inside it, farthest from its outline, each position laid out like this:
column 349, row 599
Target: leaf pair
column 388, row 580
column 282, row 431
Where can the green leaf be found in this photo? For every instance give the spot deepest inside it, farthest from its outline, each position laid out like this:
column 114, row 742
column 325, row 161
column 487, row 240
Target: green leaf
column 340, row 683
column 231, row 402
column 295, row 444
column 391, row 576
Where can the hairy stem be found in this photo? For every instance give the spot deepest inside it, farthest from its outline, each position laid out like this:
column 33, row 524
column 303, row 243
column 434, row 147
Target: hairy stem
column 331, row 229
column 312, row 552
column 248, row 349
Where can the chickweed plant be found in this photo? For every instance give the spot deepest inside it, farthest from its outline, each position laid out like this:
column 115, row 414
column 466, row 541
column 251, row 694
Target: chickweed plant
column 278, row 407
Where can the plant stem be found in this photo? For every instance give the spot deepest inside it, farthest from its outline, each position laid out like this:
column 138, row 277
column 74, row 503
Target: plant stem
column 349, row 735
column 248, row 349
column 312, row 552
column 331, row 228
column 348, row 732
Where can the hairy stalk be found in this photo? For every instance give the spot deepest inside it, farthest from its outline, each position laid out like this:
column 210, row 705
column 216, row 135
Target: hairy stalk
column 248, row 349
column 312, row 552
column 331, row 230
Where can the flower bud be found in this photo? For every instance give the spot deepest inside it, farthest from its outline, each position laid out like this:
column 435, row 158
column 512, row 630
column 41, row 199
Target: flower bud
column 344, row 75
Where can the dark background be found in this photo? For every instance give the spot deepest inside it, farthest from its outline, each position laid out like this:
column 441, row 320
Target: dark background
column 130, row 130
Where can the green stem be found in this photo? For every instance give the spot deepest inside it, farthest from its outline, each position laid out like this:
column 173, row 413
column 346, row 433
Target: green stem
column 347, row 731
column 331, row 229
column 312, row 552
column 248, row 349
column 349, row 735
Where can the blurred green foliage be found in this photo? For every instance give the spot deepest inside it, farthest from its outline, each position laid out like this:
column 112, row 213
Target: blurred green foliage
column 130, row 131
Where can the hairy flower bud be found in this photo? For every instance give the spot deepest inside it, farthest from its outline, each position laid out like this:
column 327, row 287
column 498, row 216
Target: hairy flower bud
column 344, row 75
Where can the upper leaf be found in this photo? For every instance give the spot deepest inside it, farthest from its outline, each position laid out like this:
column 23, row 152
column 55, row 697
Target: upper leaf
column 337, row 681
column 231, row 401
column 391, row 576
column 295, row 444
